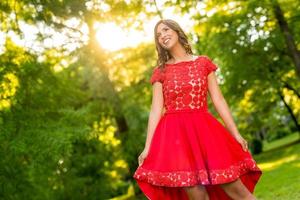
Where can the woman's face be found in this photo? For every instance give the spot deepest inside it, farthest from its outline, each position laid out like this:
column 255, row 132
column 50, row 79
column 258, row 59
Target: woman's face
column 167, row 37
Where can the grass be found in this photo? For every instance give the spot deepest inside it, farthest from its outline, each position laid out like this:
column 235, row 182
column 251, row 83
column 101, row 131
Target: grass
column 267, row 146
column 280, row 164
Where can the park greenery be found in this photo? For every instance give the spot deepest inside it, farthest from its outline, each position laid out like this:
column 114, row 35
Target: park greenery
column 73, row 115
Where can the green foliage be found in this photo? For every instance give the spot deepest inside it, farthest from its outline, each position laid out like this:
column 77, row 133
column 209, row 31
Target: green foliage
column 73, row 121
column 245, row 41
column 52, row 147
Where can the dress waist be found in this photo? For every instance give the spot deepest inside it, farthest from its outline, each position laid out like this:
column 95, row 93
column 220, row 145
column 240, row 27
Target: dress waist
column 186, row 110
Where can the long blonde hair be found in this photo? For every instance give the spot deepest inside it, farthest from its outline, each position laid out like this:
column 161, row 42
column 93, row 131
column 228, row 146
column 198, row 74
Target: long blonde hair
column 163, row 54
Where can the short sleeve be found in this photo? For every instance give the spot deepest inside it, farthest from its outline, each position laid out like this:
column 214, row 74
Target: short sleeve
column 210, row 66
column 156, row 76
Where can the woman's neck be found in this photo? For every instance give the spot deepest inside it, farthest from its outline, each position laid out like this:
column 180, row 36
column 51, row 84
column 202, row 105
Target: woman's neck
column 181, row 57
column 179, row 54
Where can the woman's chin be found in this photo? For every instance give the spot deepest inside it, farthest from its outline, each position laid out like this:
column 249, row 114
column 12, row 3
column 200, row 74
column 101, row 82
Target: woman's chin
column 168, row 47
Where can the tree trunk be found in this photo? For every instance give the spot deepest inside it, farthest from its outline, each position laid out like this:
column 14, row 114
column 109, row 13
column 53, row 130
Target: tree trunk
column 289, row 40
column 96, row 53
column 289, row 109
column 288, row 86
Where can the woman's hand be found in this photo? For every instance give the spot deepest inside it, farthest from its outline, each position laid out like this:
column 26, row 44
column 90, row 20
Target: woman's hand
column 142, row 156
column 242, row 141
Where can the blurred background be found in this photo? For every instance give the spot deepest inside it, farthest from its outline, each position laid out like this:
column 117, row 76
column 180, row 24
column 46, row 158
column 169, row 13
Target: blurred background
column 75, row 92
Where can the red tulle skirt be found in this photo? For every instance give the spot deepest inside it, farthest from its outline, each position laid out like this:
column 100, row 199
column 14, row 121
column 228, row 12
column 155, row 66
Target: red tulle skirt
column 193, row 148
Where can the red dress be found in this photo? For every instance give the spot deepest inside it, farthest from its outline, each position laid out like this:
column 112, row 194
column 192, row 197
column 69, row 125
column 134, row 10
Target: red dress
column 189, row 146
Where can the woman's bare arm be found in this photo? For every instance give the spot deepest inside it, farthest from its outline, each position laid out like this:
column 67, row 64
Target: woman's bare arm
column 221, row 105
column 155, row 111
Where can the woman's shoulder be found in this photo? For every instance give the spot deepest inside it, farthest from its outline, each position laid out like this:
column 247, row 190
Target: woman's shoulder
column 157, row 75
column 156, row 69
column 204, row 57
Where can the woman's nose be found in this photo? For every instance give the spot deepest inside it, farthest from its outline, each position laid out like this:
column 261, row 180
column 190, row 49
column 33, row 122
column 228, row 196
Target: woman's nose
column 164, row 36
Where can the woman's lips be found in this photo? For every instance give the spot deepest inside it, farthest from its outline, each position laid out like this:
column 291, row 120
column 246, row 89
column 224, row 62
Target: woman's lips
column 166, row 40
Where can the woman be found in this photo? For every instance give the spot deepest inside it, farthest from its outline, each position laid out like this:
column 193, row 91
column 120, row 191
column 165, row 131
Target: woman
column 188, row 153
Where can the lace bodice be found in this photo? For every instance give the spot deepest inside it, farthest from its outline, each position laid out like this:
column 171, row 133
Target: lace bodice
column 185, row 84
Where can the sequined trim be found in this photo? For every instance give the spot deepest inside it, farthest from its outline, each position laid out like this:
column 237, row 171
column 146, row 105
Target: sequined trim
column 189, row 178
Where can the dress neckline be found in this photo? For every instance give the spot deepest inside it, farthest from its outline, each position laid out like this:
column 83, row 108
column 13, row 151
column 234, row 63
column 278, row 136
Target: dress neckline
column 185, row 61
